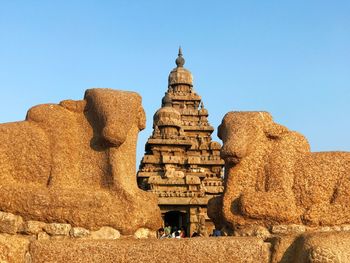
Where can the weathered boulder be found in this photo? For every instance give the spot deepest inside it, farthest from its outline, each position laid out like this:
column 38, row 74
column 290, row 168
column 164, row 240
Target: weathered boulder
column 144, row 233
column 105, row 232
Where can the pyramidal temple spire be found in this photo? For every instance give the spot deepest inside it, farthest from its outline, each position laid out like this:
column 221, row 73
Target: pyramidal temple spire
column 182, row 164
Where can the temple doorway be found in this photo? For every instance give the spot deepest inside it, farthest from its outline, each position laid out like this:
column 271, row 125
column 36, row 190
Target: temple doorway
column 176, row 219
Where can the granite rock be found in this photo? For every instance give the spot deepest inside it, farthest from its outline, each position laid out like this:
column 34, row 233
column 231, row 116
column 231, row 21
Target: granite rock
column 105, row 233
column 43, row 236
column 74, row 162
column 144, row 233
column 33, row 227
column 195, row 250
column 55, row 229
column 10, row 223
column 79, row 232
column 13, row 248
column 272, row 177
column 332, row 247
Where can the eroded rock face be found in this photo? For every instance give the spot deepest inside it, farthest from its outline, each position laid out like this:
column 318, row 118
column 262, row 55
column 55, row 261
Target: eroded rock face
column 74, row 162
column 272, row 177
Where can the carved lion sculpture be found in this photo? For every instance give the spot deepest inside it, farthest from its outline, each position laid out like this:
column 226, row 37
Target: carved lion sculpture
column 75, row 162
column 273, row 178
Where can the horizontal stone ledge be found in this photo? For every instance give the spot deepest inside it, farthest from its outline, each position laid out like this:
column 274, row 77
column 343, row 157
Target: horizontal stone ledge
column 192, row 200
column 221, row 249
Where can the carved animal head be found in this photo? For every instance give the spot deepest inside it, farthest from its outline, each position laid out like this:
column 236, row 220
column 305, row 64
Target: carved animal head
column 116, row 112
column 242, row 132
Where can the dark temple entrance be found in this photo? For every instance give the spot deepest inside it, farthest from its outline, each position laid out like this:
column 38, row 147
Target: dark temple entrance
column 175, row 219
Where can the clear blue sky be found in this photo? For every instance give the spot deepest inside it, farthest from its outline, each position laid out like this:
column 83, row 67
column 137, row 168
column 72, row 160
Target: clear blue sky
column 291, row 58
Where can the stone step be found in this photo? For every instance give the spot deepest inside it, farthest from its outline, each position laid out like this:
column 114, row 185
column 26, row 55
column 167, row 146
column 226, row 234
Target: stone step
column 221, row 249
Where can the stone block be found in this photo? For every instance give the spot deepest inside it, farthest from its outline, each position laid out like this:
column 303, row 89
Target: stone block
column 144, row 233
column 55, row 229
column 79, row 232
column 345, row 227
column 59, row 237
column 105, row 232
column 43, row 236
column 10, row 223
column 288, row 229
column 252, row 231
column 194, row 250
column 33, row 227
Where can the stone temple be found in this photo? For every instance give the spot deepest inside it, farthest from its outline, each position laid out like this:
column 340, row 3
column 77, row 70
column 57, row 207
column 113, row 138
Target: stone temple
column 68, row 190
column 182, row 164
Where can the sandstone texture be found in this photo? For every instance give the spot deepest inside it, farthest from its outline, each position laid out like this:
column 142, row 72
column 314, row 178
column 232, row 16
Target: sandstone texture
column 272, row 177
column 74, row 162
column 79, row 232
column 10, row 223
column 329, row 247
column 332, row 247
column 33, row 227
column 13, row 249
column 105, row 233
column 316, row 247
column 194, row 250
column 55, row 229
column 144, row 233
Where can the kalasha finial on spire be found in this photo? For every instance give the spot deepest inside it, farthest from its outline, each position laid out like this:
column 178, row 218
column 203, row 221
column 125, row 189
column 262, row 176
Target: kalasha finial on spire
column 180, row 51
column 180, row 61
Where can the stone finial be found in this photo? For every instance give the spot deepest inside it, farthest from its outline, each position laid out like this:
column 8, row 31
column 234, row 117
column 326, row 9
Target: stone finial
column 180, row 61
column 180, row 75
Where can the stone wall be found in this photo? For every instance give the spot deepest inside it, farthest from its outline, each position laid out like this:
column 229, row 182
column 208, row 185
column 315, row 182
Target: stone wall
column 17, row 234
column 35, row 241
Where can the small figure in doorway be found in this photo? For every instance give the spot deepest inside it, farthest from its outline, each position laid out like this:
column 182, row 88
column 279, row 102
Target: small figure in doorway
column 167, row 230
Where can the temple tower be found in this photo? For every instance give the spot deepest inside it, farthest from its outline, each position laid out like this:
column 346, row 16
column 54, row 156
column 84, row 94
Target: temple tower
column 182, row 164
